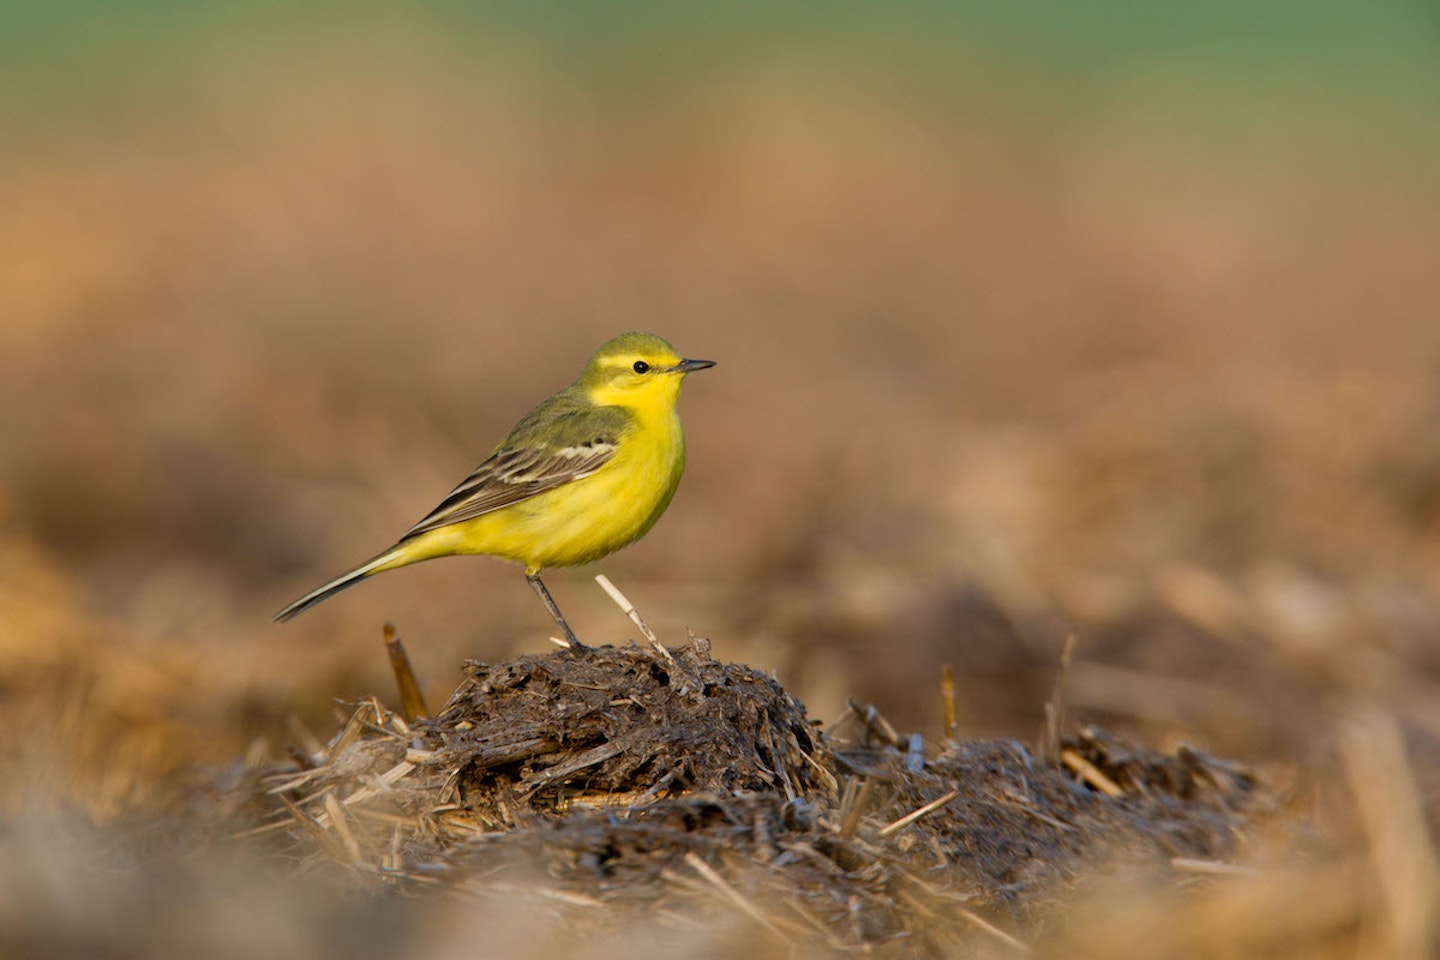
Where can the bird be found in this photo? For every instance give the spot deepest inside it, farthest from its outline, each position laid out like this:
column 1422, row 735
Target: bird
column 586, row 472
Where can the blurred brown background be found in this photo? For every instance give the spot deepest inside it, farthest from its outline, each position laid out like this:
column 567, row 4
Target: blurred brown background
column 1028, row 324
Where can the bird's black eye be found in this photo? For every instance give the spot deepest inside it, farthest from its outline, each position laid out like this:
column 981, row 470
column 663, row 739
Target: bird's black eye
column 641, row 366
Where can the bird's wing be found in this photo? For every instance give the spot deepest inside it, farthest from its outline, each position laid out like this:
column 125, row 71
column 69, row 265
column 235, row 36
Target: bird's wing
column 562, row 440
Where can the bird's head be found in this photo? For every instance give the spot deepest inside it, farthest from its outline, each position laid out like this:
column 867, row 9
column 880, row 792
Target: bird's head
column 637, row 370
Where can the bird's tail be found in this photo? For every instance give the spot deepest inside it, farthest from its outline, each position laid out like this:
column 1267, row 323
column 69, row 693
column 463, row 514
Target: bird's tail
column 384, row 561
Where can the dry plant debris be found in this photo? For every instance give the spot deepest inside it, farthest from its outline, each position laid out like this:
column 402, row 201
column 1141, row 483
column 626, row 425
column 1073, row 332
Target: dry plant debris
column 616, row 777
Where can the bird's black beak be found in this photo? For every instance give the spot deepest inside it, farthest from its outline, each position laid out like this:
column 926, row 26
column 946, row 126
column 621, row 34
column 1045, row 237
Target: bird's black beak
column 690, row 366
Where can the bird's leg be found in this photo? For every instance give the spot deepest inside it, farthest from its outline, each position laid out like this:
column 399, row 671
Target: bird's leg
column 538, row 586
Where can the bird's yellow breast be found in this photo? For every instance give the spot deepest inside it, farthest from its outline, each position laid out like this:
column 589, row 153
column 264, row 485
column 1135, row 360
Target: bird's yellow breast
column 584, row 519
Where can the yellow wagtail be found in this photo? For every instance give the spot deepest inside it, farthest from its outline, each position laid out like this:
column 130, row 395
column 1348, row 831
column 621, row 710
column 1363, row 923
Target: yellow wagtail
column 585, row 473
